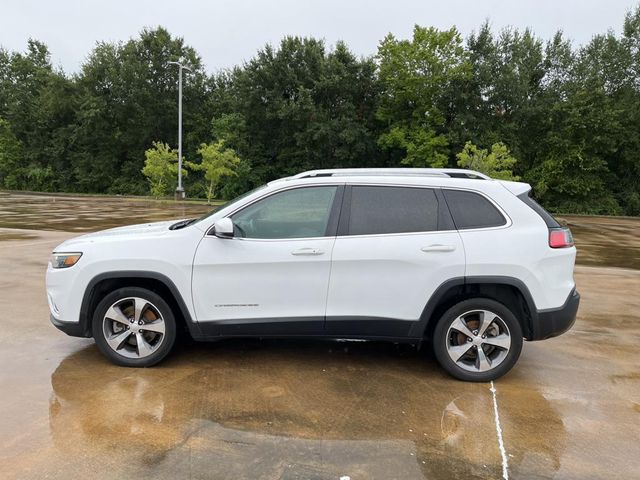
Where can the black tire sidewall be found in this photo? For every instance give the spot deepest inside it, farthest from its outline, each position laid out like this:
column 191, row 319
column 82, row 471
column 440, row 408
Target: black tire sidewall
column 440, row 337
column 155, row 299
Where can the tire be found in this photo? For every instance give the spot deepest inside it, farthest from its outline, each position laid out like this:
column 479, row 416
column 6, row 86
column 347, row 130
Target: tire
column 459, row 334
column 150, row 336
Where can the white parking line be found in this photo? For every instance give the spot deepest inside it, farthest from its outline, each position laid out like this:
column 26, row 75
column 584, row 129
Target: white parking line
column 503, row 452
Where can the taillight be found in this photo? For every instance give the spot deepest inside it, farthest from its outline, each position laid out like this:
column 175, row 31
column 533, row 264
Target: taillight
column 560, row 238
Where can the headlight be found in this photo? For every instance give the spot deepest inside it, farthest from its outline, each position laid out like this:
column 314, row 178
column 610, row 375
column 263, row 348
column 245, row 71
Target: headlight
column 64, row 260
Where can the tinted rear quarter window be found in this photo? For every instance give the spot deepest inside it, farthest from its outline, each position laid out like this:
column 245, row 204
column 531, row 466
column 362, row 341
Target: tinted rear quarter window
column 472, row 210
column 536, row 207
column 379, row 210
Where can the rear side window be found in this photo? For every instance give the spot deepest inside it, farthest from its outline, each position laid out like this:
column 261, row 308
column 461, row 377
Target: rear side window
column 471, row 210
column 379, row 210
column 536, row 207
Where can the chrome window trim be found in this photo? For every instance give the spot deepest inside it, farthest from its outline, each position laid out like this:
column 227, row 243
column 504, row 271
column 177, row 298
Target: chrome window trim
column 424, row 232
column 369, row 184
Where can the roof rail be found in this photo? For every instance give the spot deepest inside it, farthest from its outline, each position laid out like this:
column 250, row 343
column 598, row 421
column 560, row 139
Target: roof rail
column 464, row 173
column 425, row 172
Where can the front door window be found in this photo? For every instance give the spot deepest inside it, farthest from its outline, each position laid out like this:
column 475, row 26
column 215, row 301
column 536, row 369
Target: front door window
column 296, row 213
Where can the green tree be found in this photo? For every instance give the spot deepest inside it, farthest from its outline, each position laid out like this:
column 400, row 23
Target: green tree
column 504, row 97
column 11, row 158
column 569, row 113
column 497, row 164
column 573, row 181
column 573, row 174
column 607, row 120
column 298, row 106
column 38, row 102
column 127, row 99
column 161, row 169
column 217, row 163
column 415, row 75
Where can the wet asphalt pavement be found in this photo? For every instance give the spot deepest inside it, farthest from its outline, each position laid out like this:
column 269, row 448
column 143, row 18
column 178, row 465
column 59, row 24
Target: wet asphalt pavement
column 310, row 410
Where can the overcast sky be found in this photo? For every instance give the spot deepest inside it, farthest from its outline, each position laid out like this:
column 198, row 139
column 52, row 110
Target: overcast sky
column 226, row 32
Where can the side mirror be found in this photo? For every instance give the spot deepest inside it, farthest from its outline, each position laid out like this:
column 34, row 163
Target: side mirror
column 223, row 228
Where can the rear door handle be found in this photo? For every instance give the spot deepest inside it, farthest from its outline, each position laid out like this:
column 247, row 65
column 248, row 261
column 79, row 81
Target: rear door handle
column 438, row 248
column 307, row 251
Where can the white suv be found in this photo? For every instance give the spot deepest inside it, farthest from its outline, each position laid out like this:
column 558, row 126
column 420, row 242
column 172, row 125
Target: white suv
column 471, row 264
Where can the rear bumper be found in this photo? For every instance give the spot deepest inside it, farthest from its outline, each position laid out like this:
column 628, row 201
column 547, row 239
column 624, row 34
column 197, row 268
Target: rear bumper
column 556, row 321
column 74, row 329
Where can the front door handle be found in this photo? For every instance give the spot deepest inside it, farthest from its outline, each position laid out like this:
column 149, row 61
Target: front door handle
column 307, row 251
column 438, row 248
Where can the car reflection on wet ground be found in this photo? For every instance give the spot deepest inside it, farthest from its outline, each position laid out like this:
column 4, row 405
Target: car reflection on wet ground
column 311, row 410
column 319, row 410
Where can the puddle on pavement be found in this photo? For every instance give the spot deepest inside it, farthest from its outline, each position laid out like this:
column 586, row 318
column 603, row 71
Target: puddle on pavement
column 629, row 377
column 606, row 241
column 15, row 235
column 84, row 214
column 282, row 409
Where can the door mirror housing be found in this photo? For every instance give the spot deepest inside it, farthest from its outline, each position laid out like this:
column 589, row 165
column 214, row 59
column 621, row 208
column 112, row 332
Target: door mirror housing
column 223, row 228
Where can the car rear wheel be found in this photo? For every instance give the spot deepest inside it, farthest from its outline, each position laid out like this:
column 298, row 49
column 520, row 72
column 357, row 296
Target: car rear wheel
column 134, row 327
column 477, row 340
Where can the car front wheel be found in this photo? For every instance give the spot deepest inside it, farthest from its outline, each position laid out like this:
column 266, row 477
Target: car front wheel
column 134, row 327
column 477, row 340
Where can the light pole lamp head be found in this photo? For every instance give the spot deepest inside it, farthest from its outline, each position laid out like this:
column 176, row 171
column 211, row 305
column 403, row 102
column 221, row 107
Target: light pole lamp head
column 182, row 67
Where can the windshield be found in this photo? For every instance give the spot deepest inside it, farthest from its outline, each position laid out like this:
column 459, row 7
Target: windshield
column 229, row 203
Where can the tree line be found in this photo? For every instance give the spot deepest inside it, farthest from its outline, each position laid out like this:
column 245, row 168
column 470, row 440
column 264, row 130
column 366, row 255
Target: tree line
column 563, row 117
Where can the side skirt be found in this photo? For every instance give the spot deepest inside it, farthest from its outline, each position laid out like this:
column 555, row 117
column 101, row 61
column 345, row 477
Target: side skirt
column 407, row 340
column 308, row 327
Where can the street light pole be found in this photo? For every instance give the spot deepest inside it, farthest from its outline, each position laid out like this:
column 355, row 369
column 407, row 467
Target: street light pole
column 179, row 188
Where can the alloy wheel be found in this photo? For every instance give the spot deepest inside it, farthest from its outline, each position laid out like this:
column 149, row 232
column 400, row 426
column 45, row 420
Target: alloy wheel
column 133, row 327
column 478, row 341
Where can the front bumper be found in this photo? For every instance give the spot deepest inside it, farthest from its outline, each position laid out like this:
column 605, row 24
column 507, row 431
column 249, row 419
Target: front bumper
column 556, row 321
column 74, row 329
